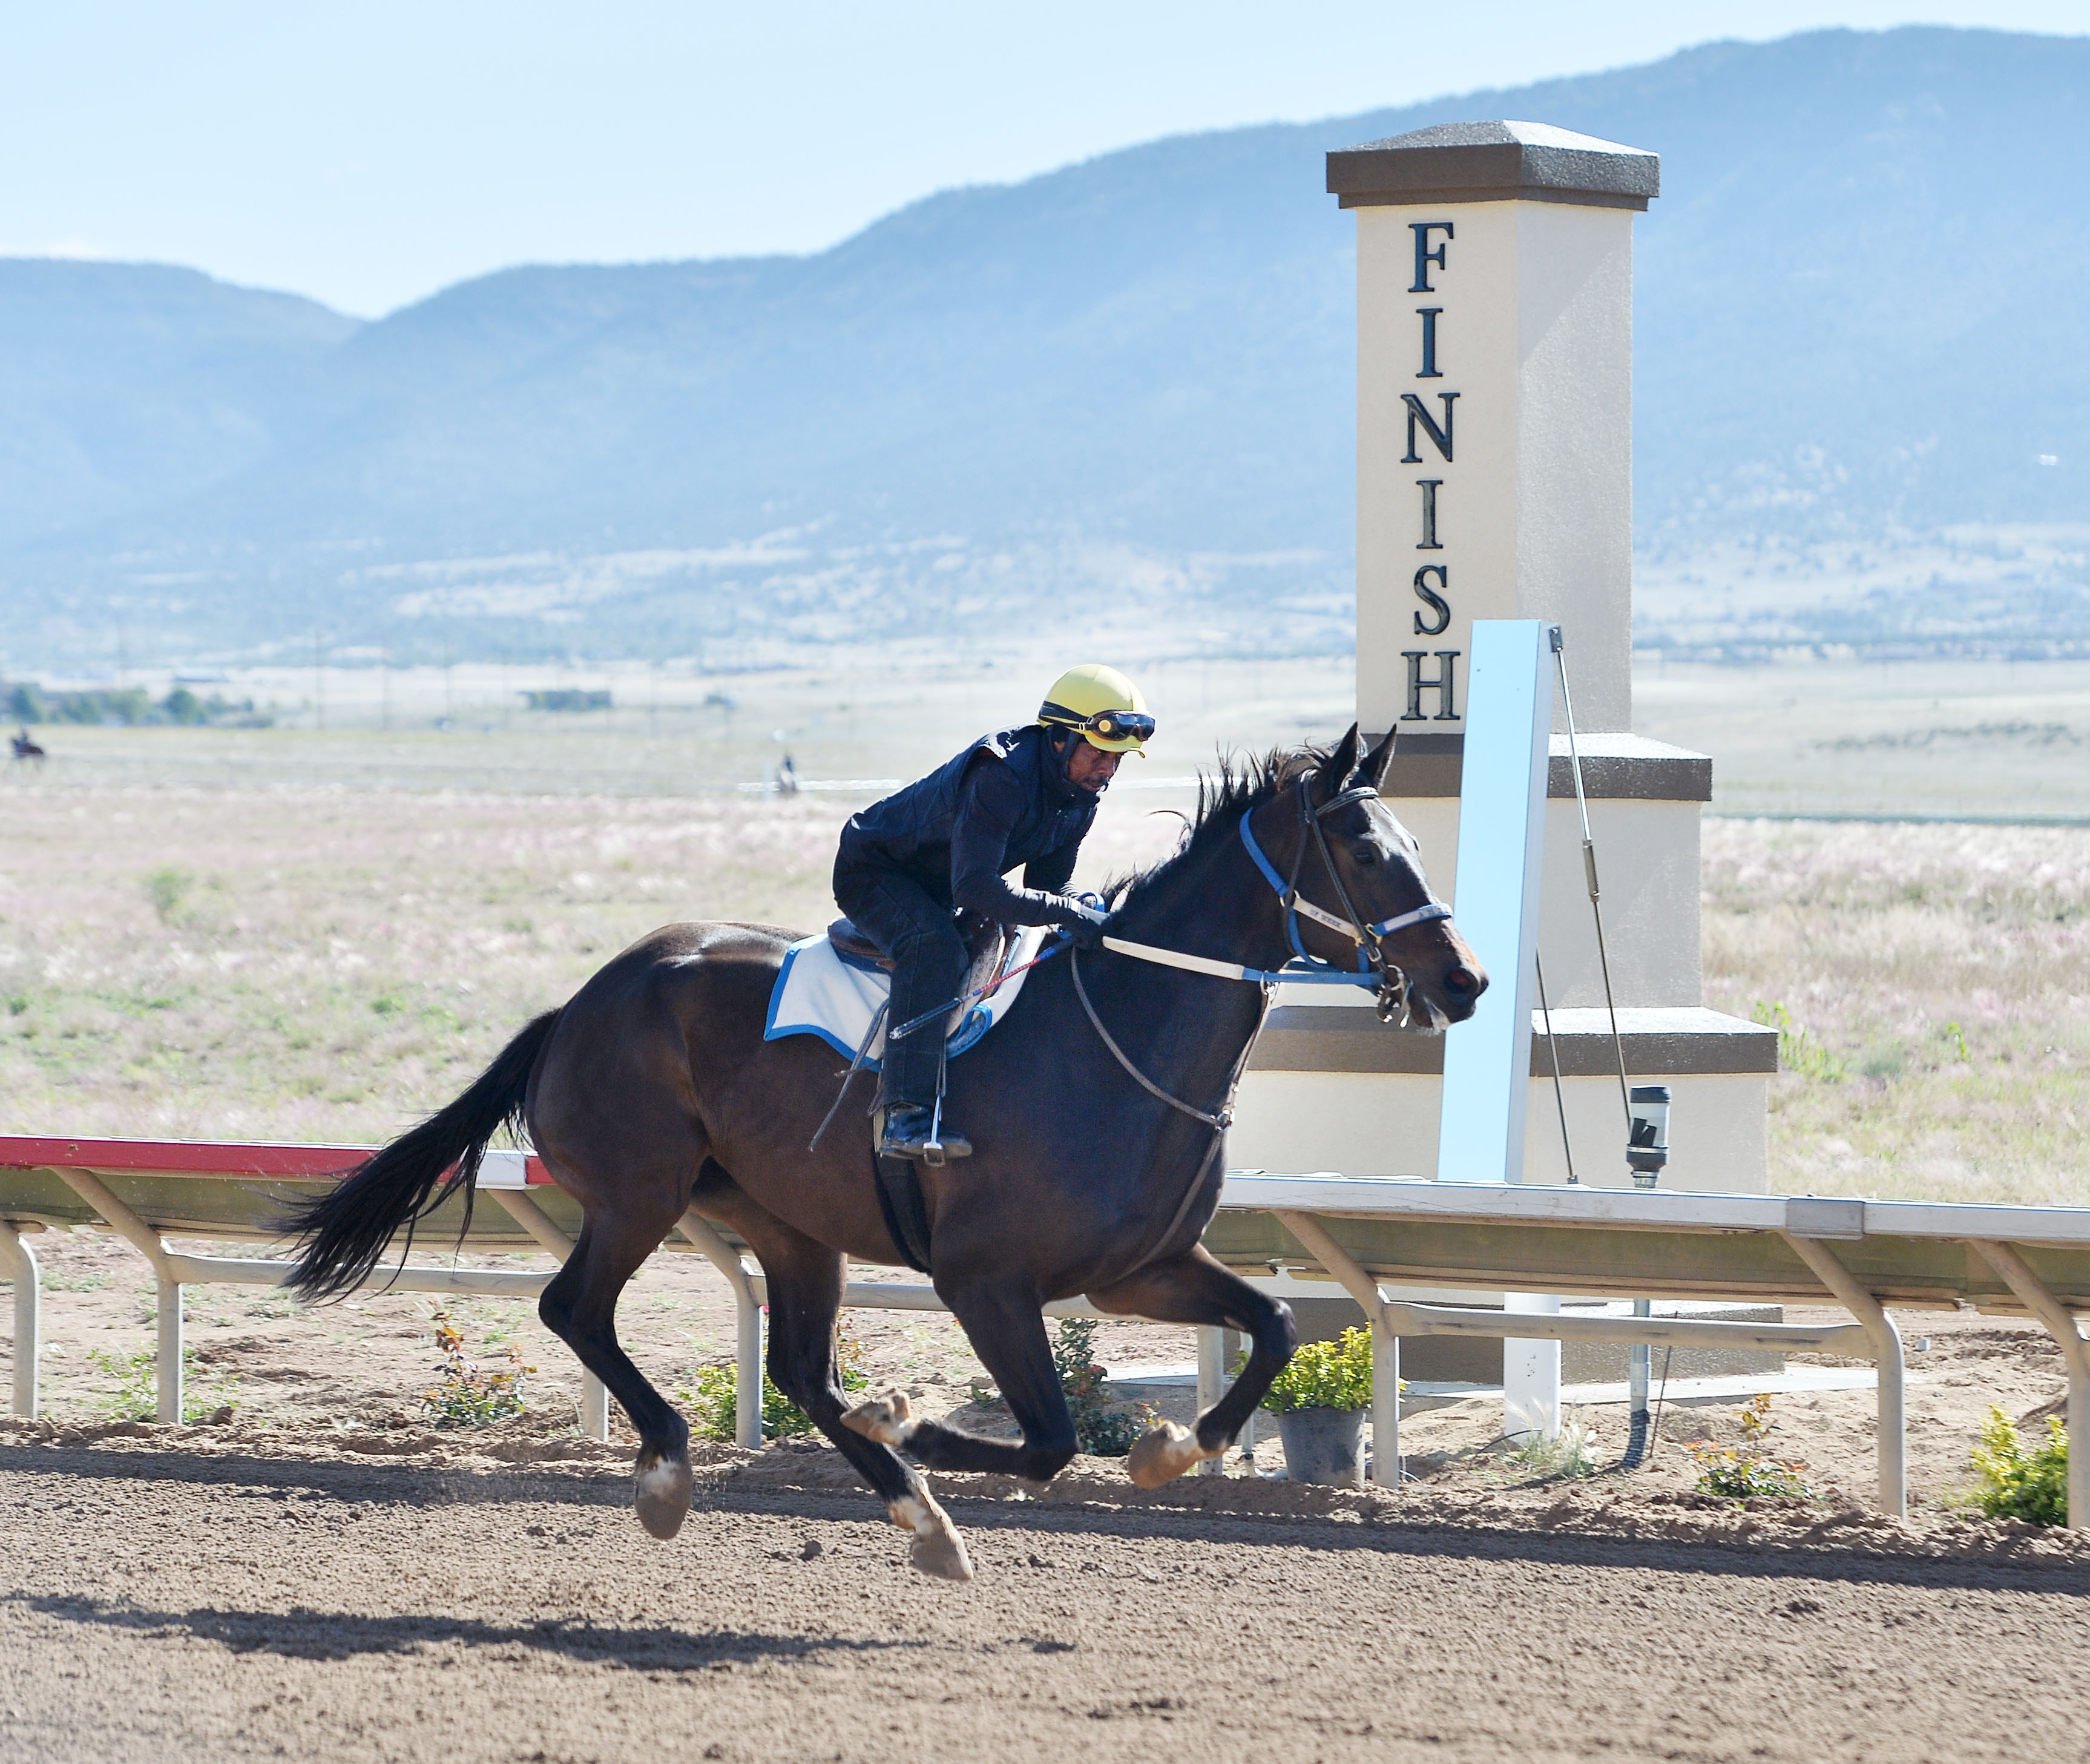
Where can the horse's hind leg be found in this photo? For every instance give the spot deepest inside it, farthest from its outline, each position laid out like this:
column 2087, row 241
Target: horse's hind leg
column 805, row 1280
column 1194, row 1289
column 579, row 1306
column 1006, row 1331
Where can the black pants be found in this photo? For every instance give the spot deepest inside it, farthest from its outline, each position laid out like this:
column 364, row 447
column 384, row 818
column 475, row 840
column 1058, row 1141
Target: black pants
column 921, row 935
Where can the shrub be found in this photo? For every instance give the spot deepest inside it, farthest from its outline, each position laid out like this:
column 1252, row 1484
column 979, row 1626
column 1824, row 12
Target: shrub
column 468, row 1395
column 1325, row 1375
column 1571, row 1451
column 2019, row 1482
column 712, row 1397
column 1798, row 1050
column 136, row 1397
column 1741, row 1472
column 1103, row 1429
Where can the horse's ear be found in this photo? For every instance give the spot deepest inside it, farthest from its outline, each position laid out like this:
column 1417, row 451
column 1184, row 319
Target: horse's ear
column 1335, row 774
column 1372, row 768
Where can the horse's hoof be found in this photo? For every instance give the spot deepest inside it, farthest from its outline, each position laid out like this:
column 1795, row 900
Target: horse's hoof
column 1162, row 1453
column 938, row 1551
column 664, row 1496
column 885, row 1419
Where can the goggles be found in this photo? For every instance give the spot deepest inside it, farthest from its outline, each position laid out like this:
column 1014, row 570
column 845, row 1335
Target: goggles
column 1112, row 725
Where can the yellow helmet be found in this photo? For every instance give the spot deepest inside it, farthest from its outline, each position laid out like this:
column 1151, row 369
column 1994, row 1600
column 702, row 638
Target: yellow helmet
column 1103, row 705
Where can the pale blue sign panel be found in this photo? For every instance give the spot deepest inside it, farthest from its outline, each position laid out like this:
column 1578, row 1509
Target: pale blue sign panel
column 1502, row 838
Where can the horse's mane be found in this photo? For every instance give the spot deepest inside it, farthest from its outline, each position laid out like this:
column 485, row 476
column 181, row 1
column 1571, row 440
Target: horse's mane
column 1240, row 783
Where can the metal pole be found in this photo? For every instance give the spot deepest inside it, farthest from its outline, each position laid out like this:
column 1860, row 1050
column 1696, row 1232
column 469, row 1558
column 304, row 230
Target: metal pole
column 1885, row 1340
column 1211, row 1383
column 747, row 1373
column 595, row 1407
column 1639, row 1358
column 2039, row 1299
column 170, row 1351
column 595, row 1396
column 1386, row 1403
column 28, row 1317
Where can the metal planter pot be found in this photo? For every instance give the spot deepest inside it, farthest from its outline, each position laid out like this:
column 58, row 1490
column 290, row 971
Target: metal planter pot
column 1323, row 1445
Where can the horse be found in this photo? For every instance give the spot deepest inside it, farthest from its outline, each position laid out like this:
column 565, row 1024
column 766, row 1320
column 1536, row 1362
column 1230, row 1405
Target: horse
column 1098, row 1108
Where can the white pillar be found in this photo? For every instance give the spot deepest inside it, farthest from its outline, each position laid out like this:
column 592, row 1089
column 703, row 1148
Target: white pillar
column 170, row 1351
column 28, row 1316
column 595, row 1407
column 1495, row 409
column 1385, row 1404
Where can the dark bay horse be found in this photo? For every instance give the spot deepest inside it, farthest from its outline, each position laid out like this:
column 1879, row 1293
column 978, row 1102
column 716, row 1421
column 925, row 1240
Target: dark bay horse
column 652, row 1092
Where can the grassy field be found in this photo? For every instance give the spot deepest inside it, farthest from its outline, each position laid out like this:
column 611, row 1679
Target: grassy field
column 317, row 934
column 1932, row 985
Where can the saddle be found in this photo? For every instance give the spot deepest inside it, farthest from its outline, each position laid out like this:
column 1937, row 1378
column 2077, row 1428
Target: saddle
column 985, row 943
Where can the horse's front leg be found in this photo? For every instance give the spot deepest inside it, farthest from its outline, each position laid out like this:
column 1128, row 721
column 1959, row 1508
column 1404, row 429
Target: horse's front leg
column 1005, row 1324
column 1194, row 1289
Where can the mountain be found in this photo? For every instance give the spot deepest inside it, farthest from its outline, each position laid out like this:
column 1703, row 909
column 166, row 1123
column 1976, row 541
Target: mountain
column 1125, row 385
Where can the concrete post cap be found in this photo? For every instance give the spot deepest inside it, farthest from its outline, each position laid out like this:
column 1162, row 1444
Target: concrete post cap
column 1505, row 161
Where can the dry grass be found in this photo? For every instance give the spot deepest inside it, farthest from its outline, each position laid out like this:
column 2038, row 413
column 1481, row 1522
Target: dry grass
column 1935, row 982
column 311, row 964
column 316, row 965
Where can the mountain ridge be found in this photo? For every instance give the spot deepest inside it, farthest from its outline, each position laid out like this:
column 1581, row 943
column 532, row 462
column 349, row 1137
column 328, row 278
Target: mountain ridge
column 1858, row 317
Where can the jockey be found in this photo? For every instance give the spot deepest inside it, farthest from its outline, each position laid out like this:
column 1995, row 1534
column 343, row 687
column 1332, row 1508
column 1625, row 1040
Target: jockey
column 909, row 865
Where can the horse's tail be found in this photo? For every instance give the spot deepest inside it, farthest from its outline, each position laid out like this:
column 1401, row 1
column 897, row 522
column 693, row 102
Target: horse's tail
column 347, row 1229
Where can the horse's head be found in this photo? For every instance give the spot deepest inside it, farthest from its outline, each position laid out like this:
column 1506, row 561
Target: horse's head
column 1358, row 874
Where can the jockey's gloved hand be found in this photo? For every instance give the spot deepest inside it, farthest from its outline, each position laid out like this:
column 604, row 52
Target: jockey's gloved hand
column 1082, row 918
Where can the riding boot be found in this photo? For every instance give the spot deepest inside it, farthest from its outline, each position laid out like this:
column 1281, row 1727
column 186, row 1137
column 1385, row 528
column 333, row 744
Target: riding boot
column 910, row 1131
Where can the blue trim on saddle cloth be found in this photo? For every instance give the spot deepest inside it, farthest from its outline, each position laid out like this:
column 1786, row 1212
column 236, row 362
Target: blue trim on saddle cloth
column 837, row 996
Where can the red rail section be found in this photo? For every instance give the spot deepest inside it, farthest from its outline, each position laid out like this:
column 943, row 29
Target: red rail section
column 198, row 1158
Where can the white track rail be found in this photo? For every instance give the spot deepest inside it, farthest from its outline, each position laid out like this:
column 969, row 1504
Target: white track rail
column 1366, row 1235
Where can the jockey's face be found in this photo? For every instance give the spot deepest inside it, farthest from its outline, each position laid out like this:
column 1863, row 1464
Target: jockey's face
column 1090, row 769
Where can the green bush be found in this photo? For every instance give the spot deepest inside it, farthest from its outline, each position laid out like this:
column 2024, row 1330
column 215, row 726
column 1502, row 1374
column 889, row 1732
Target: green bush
column 1325, row 1375
column 2019, row 1482
column 468, row 1395
column 712, row 1397
column 1798, row 1050
column 136, row 1397
column 1102, row 1428
column 1741, row 1472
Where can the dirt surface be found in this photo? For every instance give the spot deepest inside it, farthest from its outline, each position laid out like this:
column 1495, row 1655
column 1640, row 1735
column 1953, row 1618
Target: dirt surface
column 322, row 1574
column 186, row 1594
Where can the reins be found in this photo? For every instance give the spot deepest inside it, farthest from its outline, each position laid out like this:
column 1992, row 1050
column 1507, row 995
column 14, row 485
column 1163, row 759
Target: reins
column 1373, row 970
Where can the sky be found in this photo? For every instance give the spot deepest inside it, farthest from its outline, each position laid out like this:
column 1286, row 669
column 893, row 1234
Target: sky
column 369, row 154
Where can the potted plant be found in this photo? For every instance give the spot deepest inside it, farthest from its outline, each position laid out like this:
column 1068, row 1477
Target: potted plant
column 1319, row 1400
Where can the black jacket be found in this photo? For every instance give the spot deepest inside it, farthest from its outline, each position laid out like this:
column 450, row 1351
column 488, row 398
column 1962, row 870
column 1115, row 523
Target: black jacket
column 1004, row 800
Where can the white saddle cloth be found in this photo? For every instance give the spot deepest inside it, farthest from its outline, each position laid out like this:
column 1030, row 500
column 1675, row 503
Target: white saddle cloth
column 822, row 992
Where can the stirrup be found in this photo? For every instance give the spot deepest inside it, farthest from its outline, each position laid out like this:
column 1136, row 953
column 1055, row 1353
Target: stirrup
column 917, row 1133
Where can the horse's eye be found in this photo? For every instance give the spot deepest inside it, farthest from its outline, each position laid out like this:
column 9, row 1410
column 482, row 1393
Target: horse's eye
column 1366, row 854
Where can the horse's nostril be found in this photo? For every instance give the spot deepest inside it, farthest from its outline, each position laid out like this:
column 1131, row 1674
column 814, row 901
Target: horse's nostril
column 1461, row 981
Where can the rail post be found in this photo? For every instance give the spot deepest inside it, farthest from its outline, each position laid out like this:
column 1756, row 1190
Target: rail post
column 169, row 1356
column 1312, row 1236
column 595, row 1396
column 2060, row 1322
column 28, row 1316
column 1843, row 1286
column 747, row 1375
column 1211, row 1383
column 1386, row 1402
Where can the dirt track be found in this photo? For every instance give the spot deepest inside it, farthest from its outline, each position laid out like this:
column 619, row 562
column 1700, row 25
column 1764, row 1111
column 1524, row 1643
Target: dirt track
column 166, row 1598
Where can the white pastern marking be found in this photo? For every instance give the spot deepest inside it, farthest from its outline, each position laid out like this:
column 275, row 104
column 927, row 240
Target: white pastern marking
column 661, row 1480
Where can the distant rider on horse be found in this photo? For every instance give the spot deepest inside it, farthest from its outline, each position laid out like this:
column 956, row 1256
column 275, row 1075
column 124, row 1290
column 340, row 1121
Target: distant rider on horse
column 909, row 865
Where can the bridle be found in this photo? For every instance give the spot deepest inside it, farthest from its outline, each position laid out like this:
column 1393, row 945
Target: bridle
column 1375, row 970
